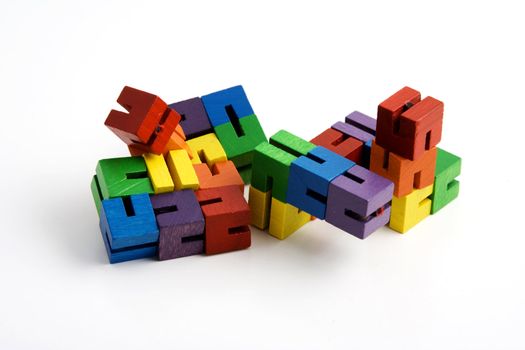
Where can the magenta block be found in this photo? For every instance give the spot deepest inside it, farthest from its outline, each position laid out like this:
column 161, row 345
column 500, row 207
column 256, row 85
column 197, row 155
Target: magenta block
column 181, row 224
column 359, row 201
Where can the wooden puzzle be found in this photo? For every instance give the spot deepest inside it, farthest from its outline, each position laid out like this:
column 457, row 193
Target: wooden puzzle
column 181, row 190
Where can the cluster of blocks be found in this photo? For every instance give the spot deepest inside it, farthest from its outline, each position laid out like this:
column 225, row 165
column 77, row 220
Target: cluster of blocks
column 181, row 192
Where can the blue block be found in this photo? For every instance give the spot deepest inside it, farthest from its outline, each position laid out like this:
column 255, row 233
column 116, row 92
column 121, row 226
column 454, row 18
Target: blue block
column 129, row 221
column 130, row 253
column 224, row 105
column 310, row 177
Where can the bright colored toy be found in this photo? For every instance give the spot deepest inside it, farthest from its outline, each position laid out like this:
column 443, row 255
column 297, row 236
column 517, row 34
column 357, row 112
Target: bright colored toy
column 181, row 191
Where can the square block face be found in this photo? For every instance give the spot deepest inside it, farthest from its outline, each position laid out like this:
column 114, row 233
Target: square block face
column 340, row 143
column 226, row 105
column 194, row 119
column 207, row 149
column 123, row 177
column 406, row 174
column 362, row 122
column 129, row 221
column 181, row 224
column 409, row 210
column 446, row 187
column 239, row 139
column 148, row 124
column 359, row 202
column 285, row 219
column 407, row 125
column 227, row 218
column 290, row 143
column 309, row 178
column 129, row 253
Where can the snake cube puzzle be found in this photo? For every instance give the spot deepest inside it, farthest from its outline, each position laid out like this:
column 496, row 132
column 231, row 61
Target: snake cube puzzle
column 181, row 190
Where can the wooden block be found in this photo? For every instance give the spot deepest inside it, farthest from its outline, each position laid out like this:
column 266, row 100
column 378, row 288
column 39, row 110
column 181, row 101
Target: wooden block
column 129, row 228
column 207, row 149
column 221, row 174
column 176, row 142
column 407, row 125
column 96, row 193
column 271, row 162
column 409, row 210
column 285, row 219
column 357, row 125
column 158, row 173
column 259, row 203
column 194, row 119
column 181, row 170
column 406, row 174
column 181, row 224
column 340, row 143
column 359, row 201
column 310, row 176
column 446, row 187
column 291, row 143
column 148, row 123
column 364, row 123
column 227, row 105
column 123, row 177
column 227, row 216
column 239, row 139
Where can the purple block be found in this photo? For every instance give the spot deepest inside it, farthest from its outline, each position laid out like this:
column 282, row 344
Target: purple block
column 181, row 224
column 359, row 201
column 358, row 125
column 362, row 121
column 194, row 119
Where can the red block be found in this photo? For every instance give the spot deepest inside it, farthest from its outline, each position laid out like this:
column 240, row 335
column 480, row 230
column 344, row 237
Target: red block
column 148, row 123
column 227, row 218
column 340, row 143
column 407, row 125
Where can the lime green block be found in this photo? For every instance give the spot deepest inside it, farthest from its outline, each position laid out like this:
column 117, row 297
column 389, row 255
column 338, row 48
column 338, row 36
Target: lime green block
column 446, row 187
column 271, row 162
column 125, row 176
column 97, row 195
column 292, row 144
column 240, row 140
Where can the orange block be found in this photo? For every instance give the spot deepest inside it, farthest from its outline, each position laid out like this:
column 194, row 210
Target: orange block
column 404, row 173
column 176, row 141
column 221, row 174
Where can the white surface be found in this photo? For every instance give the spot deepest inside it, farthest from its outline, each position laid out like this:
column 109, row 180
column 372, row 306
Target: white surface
column 454, row 282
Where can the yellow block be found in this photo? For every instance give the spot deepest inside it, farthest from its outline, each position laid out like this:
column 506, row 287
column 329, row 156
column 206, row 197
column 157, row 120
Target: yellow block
column 207, row 148
column 409, row 210
column 158, row 173
column 181, row 169
column 285, row 219
column 259, row 203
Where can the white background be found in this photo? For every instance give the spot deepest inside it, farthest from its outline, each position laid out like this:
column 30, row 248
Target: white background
column 454, row 282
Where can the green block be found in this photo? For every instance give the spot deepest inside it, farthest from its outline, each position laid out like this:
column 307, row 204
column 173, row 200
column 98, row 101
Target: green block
column 446, row 187
column 246, row 174
column 97, row 194
column 125, row 176
column 271, row 163
column 239, row 138
column 292, row 144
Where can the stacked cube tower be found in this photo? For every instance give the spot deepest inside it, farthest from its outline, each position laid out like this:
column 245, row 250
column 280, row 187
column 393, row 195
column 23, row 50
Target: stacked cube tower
column 180, row 192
